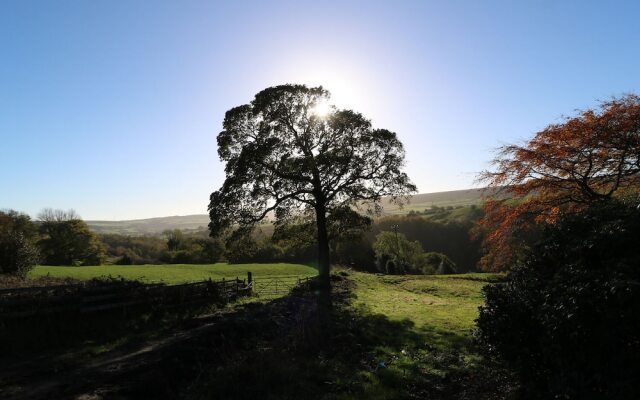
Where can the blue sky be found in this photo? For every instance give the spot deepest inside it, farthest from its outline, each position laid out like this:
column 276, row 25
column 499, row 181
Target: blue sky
column 113, row 107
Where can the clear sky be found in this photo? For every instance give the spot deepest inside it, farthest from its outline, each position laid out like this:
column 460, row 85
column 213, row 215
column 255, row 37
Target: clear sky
column 113, row 107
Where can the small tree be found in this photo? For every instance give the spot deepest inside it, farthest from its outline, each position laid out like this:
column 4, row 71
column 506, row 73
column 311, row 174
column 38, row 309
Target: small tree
column 175, row 238
column 587, row 159
column 67, row 240
column 290, row 156
column 395, row 254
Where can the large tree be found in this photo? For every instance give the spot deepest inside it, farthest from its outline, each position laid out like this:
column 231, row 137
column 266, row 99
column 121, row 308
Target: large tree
column 587, row 159
column 288, row 154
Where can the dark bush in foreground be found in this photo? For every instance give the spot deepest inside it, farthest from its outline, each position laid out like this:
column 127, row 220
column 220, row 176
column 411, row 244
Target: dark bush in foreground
column 18, row 253
column 568, row 320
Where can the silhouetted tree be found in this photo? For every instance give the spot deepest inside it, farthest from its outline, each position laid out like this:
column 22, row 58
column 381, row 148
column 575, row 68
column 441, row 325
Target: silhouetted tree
column 284, row 160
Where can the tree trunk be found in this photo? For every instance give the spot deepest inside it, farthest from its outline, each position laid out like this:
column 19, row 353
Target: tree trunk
column 324, row 258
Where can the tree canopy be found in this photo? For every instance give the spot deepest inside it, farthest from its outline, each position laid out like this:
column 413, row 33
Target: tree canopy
column 395, row 254
column 67, row 240
column 587, row 159
column 285, row 160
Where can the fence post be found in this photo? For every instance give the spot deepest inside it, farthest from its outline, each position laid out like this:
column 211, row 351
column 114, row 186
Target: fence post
column 224, row 288
column 250, row 281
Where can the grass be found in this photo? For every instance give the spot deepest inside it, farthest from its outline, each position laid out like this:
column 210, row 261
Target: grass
column 172, row 273
column 389, row 337
column 422, row 329
column 442, row 303
column 386, row 337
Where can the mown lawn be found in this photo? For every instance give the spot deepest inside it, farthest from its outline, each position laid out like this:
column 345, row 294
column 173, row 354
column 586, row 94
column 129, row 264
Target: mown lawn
column 173, row 273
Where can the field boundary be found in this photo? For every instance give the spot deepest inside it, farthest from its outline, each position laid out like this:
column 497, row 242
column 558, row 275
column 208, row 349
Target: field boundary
column 99, row 296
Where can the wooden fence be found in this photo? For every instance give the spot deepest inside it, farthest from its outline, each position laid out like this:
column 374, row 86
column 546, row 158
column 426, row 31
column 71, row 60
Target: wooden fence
column 113, row 294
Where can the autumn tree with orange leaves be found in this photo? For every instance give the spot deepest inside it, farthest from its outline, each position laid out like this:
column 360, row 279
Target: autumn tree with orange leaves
column 589, row 158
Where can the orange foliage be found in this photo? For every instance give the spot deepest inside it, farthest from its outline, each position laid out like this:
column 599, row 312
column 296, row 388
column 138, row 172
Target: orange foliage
column 588, row 158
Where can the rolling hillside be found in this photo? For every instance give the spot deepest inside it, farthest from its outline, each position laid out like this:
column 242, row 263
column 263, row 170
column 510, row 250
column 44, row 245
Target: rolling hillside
column 153, row 226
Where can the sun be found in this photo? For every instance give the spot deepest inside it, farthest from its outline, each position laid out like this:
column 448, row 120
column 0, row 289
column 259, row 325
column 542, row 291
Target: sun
column 321, row 109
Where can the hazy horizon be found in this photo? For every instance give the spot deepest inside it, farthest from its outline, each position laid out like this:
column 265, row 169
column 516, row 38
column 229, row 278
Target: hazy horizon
column 113, row 108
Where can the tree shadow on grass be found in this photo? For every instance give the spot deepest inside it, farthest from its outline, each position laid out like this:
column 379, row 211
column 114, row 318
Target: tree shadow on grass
column 352, row 354
column 287, row 349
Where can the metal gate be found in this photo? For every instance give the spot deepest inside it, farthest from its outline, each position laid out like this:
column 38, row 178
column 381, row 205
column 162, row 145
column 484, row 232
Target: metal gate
column 277, row 286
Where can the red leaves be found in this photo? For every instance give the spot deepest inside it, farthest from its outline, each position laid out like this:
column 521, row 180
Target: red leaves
column 589, row 158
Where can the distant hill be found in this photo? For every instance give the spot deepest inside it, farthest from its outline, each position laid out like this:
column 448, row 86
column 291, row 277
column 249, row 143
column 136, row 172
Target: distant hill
column 151, row 226
column 420, row 202
column 154, row 226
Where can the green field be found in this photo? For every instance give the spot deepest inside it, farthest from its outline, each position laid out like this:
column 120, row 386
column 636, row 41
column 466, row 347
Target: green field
column 391, row 337
column 435, row 304
column 422, row 329
column 173, row 273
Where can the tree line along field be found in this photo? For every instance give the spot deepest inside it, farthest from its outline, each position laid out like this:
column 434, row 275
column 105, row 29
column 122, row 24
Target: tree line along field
column 173, row 273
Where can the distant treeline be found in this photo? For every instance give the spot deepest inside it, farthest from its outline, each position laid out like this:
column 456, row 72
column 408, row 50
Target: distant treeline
column 62, row 238
column 443, row 230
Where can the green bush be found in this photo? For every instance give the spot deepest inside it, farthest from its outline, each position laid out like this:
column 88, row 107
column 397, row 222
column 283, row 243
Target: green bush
column 18, row 253
column 439, row 263
column 568, row 319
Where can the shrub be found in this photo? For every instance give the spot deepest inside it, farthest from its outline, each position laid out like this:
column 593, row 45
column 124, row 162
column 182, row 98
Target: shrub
column 397, row 255
column 126, row 259
column 18, row 253
column 439, row 263
column 568, row 319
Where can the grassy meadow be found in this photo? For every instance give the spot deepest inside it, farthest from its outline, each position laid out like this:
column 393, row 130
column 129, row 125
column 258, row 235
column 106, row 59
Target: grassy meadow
column 389, row 337
column 172, row 273
column 419, row 330
column 393, row 337
column 444, row 304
